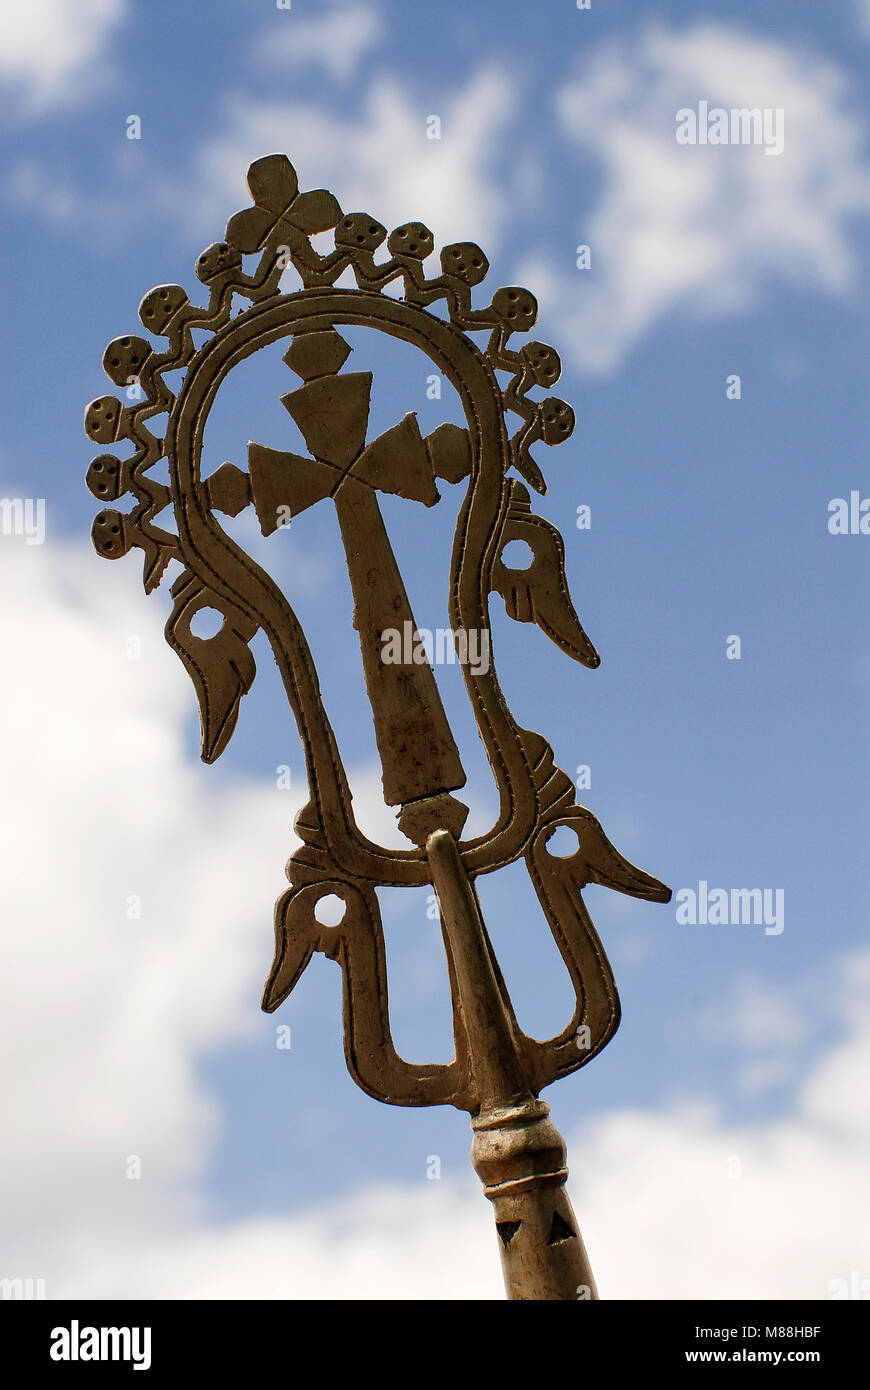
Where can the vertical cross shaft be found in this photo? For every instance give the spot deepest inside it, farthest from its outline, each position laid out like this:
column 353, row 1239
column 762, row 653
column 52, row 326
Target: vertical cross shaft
column 419, row 757
column 517, row 1152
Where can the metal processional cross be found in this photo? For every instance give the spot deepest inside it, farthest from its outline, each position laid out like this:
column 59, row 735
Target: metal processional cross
column 497, row 1071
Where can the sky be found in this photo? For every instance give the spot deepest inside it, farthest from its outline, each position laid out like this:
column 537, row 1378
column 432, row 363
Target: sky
column 159, row 1142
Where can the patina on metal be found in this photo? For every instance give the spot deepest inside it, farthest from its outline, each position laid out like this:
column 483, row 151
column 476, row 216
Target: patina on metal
column 497, row 1071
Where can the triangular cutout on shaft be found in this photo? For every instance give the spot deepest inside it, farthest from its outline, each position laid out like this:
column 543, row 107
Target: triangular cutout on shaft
column 507, row 1230
column 560, row 1230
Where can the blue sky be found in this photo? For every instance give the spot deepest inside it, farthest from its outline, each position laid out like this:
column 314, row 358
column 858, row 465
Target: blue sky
column 709, row 519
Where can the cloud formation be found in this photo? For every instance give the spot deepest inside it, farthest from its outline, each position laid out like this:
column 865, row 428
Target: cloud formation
column 54, row 54
column 103, row 1007
column 105, row 1022
column 334, row 42
column 704, row 230
column 379, row 159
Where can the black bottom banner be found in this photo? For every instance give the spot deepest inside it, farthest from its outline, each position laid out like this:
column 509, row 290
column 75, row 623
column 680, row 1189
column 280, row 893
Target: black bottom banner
column 66, row 1338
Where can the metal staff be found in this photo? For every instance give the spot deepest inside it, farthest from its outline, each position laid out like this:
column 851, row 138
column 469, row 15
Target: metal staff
column 497, row 1071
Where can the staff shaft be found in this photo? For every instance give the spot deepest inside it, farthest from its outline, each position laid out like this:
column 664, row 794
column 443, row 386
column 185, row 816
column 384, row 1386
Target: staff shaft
column 517, row 1151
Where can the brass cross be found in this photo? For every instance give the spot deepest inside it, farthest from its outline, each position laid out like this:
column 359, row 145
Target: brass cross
column 497, row 1071
column 418, row 753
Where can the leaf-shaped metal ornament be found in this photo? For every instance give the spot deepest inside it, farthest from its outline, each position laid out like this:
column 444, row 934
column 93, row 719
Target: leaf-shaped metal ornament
column 221, row 666
column 539, row 593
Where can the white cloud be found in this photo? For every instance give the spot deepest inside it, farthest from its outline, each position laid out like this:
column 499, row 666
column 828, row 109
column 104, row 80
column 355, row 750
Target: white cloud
column 700, row 229
column 379, row 161
column 56, row 201
column 335, row 43
column 764, row 1018
column 764, row 1023
column 102, row 1016
column 675, row 1204
column 386, row 1243
column 104, row 1022
column 758, row 1017
column 53, row 53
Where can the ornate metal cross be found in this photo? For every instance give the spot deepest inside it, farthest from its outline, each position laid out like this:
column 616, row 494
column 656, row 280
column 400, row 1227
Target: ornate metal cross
column 497, row 1071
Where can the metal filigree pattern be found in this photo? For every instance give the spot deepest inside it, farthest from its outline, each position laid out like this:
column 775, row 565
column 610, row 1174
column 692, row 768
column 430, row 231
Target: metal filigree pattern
column 497, row 1071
